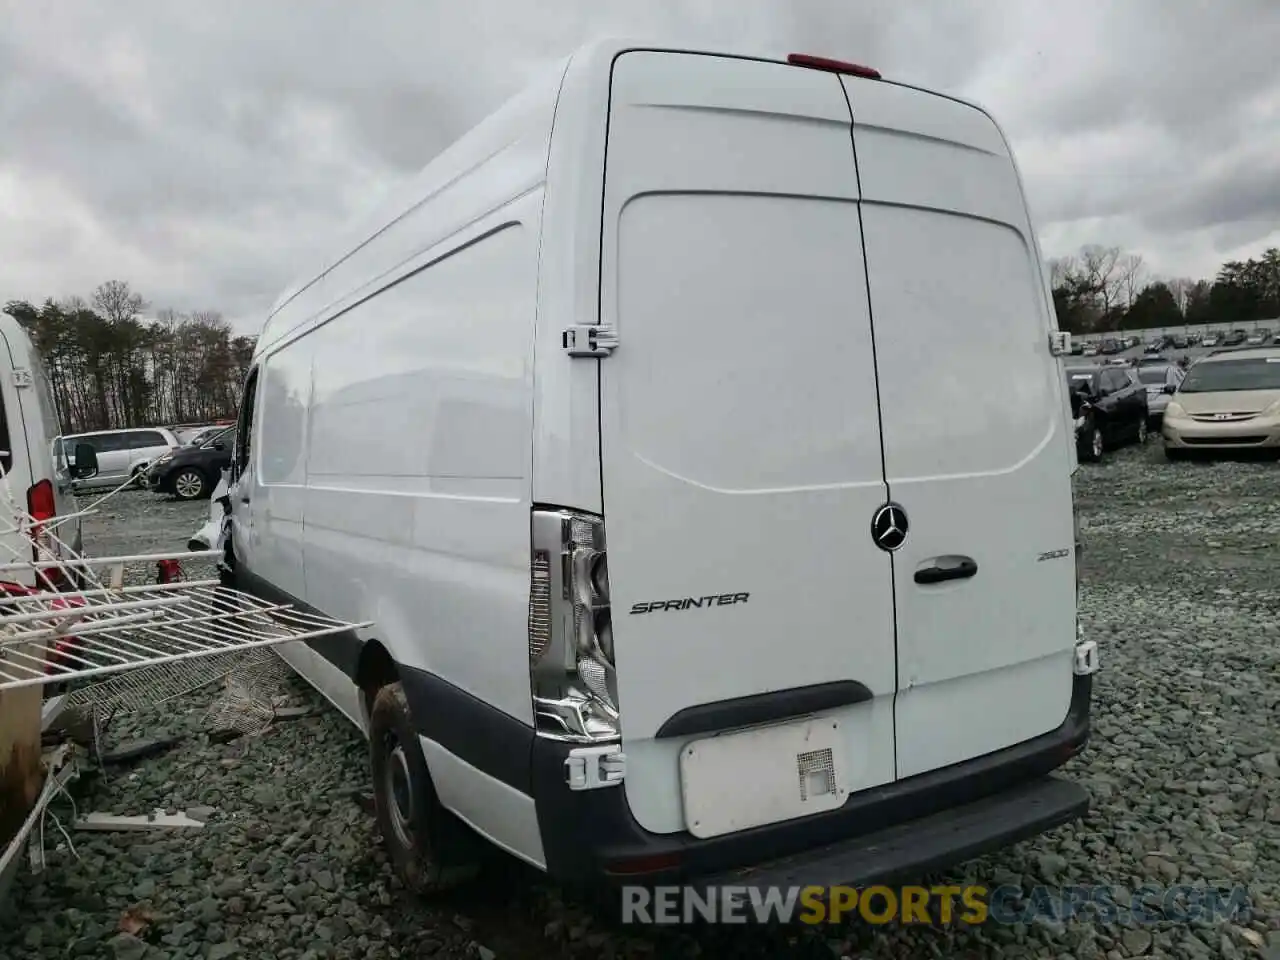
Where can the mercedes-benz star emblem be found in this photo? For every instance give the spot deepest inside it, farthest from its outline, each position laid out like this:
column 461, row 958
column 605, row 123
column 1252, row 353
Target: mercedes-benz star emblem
column 889, row 527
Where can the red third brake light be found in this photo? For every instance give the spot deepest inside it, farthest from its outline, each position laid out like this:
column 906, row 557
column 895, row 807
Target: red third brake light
column 832, row 66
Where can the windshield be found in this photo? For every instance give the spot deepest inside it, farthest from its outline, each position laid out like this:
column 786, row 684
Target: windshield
column 1155, row 375
column 222, row 434
column 1251, row 374
column 202, row 436
column 1076, row 379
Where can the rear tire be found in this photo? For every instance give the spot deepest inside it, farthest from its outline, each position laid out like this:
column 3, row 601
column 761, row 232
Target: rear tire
column 431, row 850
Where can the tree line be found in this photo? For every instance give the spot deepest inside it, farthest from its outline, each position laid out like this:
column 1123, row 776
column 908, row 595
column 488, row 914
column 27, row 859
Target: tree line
column 109, row 367
column 1105, row 288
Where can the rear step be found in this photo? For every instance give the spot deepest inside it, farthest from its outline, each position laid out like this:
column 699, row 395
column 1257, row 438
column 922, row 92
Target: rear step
column 909, row 851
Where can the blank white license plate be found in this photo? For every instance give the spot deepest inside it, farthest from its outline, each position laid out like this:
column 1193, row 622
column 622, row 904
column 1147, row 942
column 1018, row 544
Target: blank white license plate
column 765, row 775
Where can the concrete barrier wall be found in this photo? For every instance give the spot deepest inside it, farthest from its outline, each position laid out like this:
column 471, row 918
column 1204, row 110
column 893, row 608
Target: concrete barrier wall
column 1200, row 328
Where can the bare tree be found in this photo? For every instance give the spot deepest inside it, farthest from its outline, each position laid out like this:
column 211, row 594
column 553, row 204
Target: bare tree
column 1181, row 287
column 1130, row 277
column 1099, row 274
column 1062, row 270
column 116, row 301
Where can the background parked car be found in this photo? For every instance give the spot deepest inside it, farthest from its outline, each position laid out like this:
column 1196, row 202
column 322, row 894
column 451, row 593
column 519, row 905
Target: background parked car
column 1229, row 401
column 1160, row 380
column 199, row 433
column 121, row 453
column 1111, row 345
column 191, row 472
column 1109, row 406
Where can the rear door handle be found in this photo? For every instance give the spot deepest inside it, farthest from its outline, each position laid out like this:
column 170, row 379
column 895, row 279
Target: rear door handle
column 941, row 569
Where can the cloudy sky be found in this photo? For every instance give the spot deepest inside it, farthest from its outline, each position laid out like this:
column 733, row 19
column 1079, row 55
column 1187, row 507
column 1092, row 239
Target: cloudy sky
column 201, row 150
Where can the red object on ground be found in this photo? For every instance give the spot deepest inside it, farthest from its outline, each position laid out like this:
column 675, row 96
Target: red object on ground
column 168, row 571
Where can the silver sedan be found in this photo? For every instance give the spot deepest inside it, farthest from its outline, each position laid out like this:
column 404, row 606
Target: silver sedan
column 1161, row 380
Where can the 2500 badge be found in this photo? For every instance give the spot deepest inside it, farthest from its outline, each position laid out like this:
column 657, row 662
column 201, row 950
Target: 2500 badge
column 716, row 600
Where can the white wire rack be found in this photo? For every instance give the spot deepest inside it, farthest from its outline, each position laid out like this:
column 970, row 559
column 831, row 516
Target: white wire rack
column 50, row 635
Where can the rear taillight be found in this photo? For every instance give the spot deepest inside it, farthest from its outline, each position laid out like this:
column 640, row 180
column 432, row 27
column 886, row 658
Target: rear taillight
column 42, row 507
column 571, row 660
column 40, row 501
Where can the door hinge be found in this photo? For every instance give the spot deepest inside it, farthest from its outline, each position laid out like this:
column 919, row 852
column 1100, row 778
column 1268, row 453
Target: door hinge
column 1059, row 343
column 589, row 768
column 589, row 340
column 21, row 377
column 1086, row 657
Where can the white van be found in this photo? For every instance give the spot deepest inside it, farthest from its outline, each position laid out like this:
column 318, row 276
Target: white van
column 712, row 317
column 38, row 482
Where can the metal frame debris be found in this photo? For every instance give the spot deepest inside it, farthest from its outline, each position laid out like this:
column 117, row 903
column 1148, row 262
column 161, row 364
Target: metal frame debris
column 102, row 627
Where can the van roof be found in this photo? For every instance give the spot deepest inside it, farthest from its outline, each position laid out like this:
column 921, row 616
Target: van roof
column 519, row 130
column 17, row 336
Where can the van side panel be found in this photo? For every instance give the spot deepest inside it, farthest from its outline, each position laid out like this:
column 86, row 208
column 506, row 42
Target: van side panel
column 284, row 395
column 505, row 156
column 418, row 463
column 974, row 438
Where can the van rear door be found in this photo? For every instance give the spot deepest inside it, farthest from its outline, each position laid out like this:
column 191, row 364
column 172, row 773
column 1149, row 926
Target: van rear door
column 974, row 432
column 740, row 443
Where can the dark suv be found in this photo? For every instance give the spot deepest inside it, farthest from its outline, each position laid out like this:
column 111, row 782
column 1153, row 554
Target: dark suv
column 191, row 472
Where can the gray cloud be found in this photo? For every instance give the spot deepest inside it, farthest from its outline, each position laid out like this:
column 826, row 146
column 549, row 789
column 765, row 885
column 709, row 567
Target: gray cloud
column 204, row 152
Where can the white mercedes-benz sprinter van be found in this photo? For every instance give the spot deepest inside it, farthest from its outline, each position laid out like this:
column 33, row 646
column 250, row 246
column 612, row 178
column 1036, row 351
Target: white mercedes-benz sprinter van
column 37, row 474
column 630, row 424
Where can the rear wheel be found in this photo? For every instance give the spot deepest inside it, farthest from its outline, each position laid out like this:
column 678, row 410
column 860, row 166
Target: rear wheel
column 190, row 484
column 430, row 849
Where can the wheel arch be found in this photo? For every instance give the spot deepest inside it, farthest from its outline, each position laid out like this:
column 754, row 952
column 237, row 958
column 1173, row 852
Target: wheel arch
column 375, row 669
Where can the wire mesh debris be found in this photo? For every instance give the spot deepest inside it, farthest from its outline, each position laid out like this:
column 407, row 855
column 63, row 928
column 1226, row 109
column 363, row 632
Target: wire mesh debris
column 75, row 624
column 164, row 623
column 249, row 698
column 158, row 684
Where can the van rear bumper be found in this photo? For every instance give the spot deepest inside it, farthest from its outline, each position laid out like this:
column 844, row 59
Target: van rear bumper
column 899, row 830
column 914, row 848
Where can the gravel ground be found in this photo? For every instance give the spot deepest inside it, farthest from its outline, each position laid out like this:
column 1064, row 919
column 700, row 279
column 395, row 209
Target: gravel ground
column 1179, row 589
